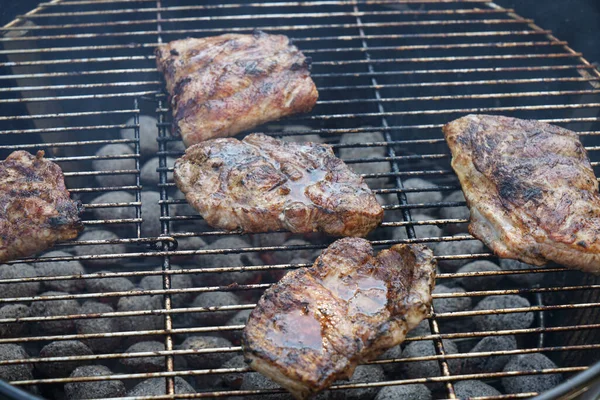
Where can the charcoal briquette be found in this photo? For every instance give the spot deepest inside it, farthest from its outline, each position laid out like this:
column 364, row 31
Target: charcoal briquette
column 98, row 325
column 13, row 329
column 495, row 322
column 13, row 289
column 530, row 383
column 61, row 268
column 93, row 389
column 158, row 386
column 468, row 389
column 14, row 372
column 489, row 363
column 404, row 392
column 144, row 364
column 207, row 360
column 62, row 348
column 48, row 308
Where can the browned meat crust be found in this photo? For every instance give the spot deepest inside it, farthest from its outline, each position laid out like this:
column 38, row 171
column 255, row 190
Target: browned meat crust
column 226, row 84
column 262, row 184
column 530, row 187
column 35, row 208
column 318, row 323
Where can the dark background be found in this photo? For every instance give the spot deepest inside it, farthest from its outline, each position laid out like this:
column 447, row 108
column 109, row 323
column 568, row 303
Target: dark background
column 576, row 21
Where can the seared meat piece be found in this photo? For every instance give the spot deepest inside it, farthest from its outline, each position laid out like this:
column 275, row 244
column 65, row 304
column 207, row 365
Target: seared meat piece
column 35, row 208
column 223, row 85
column 318, row 323
column 531, row 189
column 262, row 184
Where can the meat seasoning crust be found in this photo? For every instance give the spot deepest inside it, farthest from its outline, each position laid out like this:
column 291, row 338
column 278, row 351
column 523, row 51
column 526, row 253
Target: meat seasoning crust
column 531, row 189
column 35, row 208
column 262, row 184
column 315, row 325
column 226, row 84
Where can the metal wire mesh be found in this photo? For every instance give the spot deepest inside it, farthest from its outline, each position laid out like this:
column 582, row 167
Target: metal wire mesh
column 77, row 75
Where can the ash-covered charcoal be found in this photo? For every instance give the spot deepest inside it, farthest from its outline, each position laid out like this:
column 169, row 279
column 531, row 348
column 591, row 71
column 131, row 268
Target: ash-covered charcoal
column 362, row 374
column 144, row 364
column 142, row 322
column 256, row 381
column 227, row 260
column 373, row 168
column 240, row 318
column 495, row 322
column 108, row 285
column 213, row 299
column 303, row 138
column 178, row 281
column 14, row 372
column 122, row 212
column 422, row 231
column 470, row 389
column 404, row 392
column 489, row 363
column 158, row 387
column 148, row 174
column 207, row 360
column 479, row 282
column 233, row 380
column 61, row 268
column 12, row 289
column 62, row 348
column 532, row 279
column 48, row 308
column 285, row 256
column 391, row 368
column 98, row 325
column 422, row 197
column 456, row 248
column 13, row 329
column 530, row 383
column 151, row 213
column 93, row 389
column 94, row 249
column 190, row 243
column 114, row 164
column 361, row 151
column 380, row 167
column 148, row 134
column 269, row 239
column 422, row 329
column 426, row 369
column 460, row 212
column 450, row 304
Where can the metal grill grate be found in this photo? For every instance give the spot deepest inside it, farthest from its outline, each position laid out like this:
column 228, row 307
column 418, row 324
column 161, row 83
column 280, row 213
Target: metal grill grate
column 77, row 75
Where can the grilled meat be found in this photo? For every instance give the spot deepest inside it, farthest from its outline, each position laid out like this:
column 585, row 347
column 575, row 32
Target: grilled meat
column 262, row 184
column 35, row 208
column 318, row 323
column 531, row 189
column 223, row 85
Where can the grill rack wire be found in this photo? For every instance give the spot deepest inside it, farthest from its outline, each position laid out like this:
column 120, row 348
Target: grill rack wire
column 395, row 70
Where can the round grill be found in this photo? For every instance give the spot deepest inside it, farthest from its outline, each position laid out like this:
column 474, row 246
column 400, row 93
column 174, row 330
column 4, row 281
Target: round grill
column 78, row 76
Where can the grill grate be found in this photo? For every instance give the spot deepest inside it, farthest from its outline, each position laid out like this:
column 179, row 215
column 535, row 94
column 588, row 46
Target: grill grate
column 78, row 75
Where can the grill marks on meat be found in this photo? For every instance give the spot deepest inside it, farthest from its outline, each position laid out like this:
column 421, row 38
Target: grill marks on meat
column 35, row 208
column 262, row 184
column 226, row 84
column 318, row 323
column 531, row 189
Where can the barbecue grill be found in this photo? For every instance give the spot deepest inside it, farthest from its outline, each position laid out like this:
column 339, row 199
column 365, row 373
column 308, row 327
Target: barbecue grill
column 79, row 75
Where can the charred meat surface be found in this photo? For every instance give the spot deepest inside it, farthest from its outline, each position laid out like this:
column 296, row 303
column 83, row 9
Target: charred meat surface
column 226, row 84
column 318, row 323
column 262, row 184
column 531, row 189
column 35, row 208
